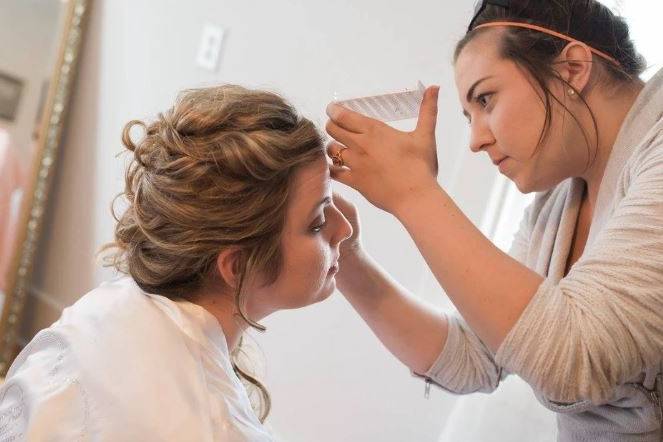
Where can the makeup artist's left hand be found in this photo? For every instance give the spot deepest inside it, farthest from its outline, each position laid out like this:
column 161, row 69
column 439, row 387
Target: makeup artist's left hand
column 389, row 167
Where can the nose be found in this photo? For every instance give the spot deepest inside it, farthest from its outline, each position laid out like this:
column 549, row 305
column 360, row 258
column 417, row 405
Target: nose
column 343, row 228
column 480, row 135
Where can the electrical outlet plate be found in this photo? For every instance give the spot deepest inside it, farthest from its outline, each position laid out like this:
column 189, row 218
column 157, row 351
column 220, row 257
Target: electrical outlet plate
column 209, row 50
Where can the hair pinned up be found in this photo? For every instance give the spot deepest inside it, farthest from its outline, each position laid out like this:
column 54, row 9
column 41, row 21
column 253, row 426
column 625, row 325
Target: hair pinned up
column 212, row 172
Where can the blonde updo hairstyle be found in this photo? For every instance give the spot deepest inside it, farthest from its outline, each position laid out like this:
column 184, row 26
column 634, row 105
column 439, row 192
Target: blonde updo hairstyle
column 212, row 172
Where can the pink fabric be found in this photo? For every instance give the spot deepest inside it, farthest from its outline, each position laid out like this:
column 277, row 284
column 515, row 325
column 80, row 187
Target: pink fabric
column 11, row 181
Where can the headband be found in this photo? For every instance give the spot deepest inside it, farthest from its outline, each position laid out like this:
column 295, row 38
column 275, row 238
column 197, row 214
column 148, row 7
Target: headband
column 549, row 32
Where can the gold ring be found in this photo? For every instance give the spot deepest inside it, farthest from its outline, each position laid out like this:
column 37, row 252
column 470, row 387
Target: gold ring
column 337, row 158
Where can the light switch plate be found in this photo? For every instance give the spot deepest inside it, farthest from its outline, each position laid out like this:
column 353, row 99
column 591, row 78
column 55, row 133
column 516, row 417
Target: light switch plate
column 209, row 50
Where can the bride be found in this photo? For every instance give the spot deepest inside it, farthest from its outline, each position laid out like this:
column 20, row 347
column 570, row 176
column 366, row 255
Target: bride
column 228, row 217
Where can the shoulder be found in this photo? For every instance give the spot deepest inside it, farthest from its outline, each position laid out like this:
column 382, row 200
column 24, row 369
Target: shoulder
column 79, row 323
column 113, row 327
column 111, row 323
column 118, row 304
column 648, row 154
column 109, row 295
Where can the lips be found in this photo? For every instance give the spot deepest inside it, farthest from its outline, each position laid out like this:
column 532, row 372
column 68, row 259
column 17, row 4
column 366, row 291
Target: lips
column 498, row 161
column 334, row 268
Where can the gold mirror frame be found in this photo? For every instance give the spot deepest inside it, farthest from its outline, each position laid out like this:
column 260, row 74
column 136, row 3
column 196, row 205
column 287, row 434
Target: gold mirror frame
column 42, row 168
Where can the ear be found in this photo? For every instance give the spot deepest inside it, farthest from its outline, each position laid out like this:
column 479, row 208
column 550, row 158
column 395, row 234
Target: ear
column 574, row 64
column 227, row 263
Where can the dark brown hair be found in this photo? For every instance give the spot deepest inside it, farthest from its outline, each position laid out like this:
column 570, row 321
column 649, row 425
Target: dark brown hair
column 587, row 21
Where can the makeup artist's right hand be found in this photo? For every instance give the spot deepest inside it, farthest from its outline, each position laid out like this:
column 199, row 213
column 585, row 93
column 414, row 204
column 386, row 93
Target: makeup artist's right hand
column 391, row 168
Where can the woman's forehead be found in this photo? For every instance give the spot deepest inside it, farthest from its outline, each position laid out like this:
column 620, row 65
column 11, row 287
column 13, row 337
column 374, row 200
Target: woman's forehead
column 310, row 184
column 475, row 63
column 480, row 52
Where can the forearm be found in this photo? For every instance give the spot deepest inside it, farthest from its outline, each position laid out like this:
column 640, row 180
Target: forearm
column 412, row 330
column 488, row 287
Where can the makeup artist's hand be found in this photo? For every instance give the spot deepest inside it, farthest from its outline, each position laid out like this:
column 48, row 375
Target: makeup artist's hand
column 389, row 167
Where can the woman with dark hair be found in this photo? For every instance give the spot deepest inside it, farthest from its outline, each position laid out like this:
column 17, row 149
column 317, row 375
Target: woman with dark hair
column 552, row 93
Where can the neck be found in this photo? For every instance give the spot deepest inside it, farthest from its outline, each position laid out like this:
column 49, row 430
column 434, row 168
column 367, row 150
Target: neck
column 610, row 113
column 222, row 305
column 223, row 308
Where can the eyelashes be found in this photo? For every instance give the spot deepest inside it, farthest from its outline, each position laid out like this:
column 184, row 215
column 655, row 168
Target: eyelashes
column 484, row 99
column 317, row 228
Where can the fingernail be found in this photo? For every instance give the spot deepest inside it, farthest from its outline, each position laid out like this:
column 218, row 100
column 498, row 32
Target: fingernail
column 332, row 110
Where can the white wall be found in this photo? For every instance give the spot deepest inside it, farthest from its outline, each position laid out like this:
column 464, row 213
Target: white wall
column 643, row 17
column 330, row 378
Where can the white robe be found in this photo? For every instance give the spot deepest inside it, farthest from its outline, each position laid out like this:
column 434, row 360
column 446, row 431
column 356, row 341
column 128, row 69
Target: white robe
column 122, row 365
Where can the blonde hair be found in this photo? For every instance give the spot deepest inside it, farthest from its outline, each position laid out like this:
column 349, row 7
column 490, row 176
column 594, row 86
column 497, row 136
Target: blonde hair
column 213, row 171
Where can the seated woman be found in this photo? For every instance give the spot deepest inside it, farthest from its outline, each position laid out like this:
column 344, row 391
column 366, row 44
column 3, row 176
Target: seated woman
column 229, row 218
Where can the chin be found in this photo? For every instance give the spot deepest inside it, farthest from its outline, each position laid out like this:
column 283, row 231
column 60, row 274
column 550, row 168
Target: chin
column 533, row 180
column 526, row 185
column 322, row 294
column 325, row 292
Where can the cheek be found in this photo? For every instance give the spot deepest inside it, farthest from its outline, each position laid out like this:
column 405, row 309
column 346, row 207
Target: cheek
column 517, row 125
column 308, row 261
column 305, row 271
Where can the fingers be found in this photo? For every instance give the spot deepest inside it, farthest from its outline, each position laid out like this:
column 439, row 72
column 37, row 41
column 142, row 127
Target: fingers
column 333, row 147
column 342, row 175
column 343, row 136
column 350, row 120
column 428, row 110
column 341, row 155
column 346, row 207
column 341, row 172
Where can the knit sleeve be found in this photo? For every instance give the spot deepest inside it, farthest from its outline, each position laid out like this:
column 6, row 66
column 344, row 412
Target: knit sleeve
column 602, row 324
column 466, row 365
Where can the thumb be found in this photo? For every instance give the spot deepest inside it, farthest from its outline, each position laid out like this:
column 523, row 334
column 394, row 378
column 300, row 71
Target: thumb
column 346, row 207
column 428, row 111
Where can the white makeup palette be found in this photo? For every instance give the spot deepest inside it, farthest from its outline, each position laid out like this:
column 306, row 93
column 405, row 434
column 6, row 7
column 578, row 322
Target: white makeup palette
column 388, row 107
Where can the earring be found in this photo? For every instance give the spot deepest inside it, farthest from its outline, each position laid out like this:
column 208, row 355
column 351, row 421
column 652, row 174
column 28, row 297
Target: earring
column 572, row 92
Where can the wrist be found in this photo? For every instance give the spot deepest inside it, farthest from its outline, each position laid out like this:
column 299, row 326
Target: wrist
column 353, row 266
column 352, row 256
column 415, row 200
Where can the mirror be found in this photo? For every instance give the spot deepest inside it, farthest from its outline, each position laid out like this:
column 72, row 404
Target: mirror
column 39, row 45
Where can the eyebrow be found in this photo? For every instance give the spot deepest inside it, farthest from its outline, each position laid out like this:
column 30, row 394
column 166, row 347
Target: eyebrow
column 470, row 92
column 325, row 201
